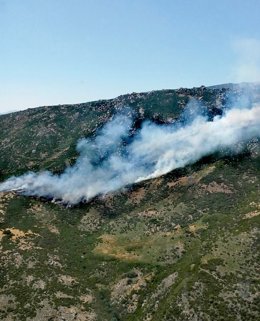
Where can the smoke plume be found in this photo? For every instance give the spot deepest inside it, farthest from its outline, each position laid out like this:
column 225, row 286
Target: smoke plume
column 118, row 156
column 247, row 64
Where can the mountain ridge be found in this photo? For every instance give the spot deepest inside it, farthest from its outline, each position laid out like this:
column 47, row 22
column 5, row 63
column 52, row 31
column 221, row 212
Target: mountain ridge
column 57, row 121
column 220, row 86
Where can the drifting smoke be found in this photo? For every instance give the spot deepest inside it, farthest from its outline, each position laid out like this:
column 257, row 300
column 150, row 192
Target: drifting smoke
column 247, row 66
column 114, row 158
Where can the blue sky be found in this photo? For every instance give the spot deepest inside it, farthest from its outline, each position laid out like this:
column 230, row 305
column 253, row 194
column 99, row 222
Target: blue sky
column 70, row 51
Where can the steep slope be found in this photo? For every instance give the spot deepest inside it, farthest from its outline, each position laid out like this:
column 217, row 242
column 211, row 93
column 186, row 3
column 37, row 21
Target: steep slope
column 184, row 246
column 45, row 137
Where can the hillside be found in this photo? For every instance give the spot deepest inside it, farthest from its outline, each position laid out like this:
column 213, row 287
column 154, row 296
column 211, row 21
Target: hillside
column 184, row 246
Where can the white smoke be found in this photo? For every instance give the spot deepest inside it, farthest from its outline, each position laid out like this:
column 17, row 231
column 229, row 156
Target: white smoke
column 247, row 64
column 113, row 159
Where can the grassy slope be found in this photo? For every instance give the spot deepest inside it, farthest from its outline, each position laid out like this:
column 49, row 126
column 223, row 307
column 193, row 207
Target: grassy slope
column 187, row 252
column 46, row 137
